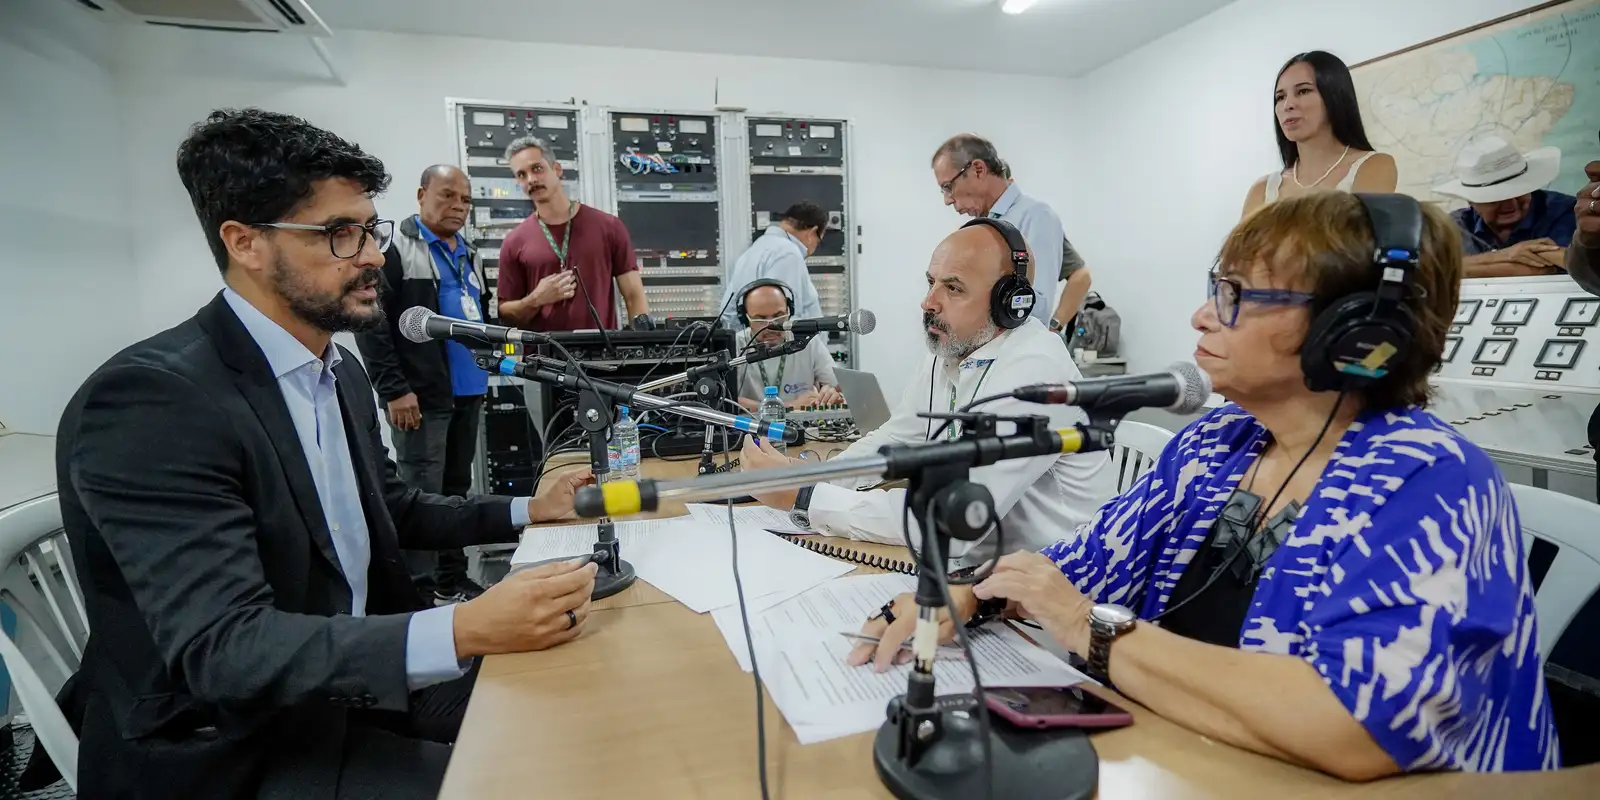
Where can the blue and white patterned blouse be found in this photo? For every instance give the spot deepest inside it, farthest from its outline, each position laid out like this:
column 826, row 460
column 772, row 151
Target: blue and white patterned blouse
column 1403, row 583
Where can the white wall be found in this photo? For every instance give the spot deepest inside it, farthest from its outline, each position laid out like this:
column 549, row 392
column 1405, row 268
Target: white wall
column 394, row 106
column 68, row 297
column 1175, row 132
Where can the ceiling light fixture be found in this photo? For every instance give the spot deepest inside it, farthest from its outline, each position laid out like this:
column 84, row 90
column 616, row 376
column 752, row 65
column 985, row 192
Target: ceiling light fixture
column 1016, row 6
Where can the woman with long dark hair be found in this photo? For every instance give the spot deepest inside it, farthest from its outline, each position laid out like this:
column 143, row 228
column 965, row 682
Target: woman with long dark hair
column 1320, row 136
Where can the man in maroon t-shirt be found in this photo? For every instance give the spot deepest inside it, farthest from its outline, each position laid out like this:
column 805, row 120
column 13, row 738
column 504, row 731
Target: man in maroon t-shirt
column 543, row 261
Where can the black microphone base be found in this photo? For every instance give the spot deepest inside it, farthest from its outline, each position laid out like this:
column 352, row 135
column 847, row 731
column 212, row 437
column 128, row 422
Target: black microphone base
column 1029, row 764
column 606, row 582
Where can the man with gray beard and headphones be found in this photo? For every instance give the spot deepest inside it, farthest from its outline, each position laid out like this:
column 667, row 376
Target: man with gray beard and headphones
column 981, row 341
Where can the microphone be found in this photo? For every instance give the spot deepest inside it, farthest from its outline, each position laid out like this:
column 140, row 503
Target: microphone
column 1183, row 388
column 891, row 462
column 859, row 321
column 419, row 324
column 543, row 371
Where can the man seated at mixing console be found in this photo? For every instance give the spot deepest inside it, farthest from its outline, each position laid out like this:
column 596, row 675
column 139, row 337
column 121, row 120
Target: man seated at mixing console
column 804, row 378
column 977, row 346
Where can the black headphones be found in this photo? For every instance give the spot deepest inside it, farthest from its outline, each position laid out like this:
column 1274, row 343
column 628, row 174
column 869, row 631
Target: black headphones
column 744, row 316
column 1011, row 299
column 1351, row 344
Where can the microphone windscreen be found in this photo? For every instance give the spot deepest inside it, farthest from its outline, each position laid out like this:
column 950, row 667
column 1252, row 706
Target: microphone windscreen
column 414, row 324
column 589, row 501
column 1196, row 385
column 863, row 321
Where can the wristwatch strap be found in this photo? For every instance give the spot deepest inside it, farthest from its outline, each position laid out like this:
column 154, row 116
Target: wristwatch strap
column 800, row 514
column 1100, row 638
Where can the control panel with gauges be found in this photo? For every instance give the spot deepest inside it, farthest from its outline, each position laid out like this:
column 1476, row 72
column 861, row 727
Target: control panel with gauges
column 1527, row 332
column 666, row 181
column 1519, row 375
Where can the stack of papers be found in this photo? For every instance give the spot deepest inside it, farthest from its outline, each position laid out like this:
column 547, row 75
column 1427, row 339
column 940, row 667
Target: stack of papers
column 745, row 517
column 572, row 541
column 693, row 561
column 801, row 653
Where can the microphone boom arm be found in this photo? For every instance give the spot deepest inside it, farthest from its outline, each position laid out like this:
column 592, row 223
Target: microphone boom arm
column 892, row 462
column 543, row 370
column 761, row 352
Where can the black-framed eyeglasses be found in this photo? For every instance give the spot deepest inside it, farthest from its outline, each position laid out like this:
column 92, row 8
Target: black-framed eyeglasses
column 345, row 239
column 1227, row 294
column 950, row 185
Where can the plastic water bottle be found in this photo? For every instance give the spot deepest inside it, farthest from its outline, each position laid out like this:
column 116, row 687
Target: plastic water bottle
column 614, row 453
column 627, row 434
column 772, row 410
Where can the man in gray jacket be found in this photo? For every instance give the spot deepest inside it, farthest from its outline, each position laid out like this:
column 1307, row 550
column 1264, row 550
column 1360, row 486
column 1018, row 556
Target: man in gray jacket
column 432, row 391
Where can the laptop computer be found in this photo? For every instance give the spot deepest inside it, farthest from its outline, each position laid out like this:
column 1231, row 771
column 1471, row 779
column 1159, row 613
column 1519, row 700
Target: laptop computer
column 865, row 397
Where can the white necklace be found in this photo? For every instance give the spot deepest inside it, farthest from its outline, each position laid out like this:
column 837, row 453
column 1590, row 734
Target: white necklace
column 1324, row 175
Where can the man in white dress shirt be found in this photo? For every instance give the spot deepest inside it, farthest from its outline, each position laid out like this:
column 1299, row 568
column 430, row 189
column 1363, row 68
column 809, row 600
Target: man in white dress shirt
column 974, row 180
column 1038, row 499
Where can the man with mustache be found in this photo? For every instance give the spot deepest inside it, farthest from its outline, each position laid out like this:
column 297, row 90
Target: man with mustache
column 237, row 528
column 557, row 267
column 969, row 356
column 434, row 391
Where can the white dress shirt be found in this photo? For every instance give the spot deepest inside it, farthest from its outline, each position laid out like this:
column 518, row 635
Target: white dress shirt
column 1039, row 500
column 1041, row 229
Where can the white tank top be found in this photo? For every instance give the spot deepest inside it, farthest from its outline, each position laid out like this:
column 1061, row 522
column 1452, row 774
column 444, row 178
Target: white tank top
column 1275, row 180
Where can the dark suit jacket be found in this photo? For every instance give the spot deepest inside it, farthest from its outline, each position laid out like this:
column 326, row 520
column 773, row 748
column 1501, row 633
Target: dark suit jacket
column 221, row 644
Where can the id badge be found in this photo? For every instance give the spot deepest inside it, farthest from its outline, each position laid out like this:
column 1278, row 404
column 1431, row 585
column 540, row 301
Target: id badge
column 469, row 308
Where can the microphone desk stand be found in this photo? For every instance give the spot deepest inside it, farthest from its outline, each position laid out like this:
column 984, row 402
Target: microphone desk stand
column 932, row 747
column 593, row 415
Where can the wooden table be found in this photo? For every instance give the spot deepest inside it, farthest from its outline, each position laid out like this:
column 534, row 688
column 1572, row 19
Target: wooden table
column 649, row 703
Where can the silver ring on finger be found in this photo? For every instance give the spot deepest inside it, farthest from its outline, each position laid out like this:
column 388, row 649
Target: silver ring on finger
column 572, row 620
column 1592, row 204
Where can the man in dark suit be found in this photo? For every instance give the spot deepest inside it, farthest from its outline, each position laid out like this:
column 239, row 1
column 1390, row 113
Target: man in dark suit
column 236, row 524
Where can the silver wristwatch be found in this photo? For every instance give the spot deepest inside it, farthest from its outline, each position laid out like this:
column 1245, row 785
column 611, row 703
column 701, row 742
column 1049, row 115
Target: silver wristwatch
column 800, row 515
column 1107, row 621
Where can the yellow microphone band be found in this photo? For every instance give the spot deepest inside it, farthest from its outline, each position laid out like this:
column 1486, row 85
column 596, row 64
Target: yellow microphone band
column 622, row 497
column 1071, row 439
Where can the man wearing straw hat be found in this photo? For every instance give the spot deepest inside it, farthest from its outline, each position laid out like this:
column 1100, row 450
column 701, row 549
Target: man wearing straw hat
column 1512, row 225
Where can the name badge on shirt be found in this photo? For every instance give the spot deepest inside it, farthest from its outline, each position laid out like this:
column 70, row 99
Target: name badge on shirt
column 469, row 308
column 974, row 363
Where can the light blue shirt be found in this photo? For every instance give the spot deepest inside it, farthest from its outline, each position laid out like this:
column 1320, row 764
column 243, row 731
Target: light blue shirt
column 1041, row 229
column 310, row 392
column 778, row 256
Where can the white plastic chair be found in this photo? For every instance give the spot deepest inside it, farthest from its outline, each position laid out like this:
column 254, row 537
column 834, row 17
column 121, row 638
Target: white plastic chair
column 1573, row 526
column 1136, row 448
column 38, row 582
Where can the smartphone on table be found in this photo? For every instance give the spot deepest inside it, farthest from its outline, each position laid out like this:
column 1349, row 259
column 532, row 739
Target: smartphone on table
column 1056, row 707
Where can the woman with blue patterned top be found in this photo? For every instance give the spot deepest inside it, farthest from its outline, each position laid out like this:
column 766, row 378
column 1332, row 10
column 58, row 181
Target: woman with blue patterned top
column 1333, row 580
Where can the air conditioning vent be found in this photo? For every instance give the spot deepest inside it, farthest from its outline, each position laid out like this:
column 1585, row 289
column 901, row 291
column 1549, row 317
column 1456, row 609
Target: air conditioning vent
column 239, row 16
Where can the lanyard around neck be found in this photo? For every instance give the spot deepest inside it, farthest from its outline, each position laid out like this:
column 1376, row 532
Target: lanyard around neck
column 952, row 432
column 566, row 236
column 782, row 362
